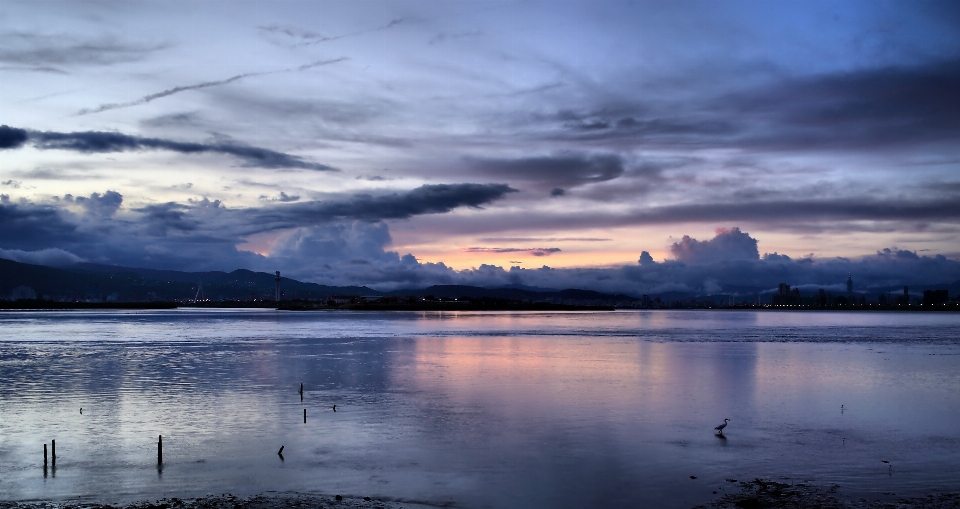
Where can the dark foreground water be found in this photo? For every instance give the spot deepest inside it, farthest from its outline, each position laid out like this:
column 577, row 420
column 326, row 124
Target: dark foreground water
column 524, row 410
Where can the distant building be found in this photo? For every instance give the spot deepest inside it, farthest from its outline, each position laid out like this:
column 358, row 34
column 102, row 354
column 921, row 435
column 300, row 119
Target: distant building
column 934, row 297
column 785, row 296
column 23, row 292
column 850, row 286
column 822, row 300
column 904, row 300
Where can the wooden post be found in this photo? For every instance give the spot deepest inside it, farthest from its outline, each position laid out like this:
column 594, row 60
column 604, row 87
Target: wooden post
column 53, row 453
column 159, row 449
column 304, row 415
column 301, row 392
column 44, row 456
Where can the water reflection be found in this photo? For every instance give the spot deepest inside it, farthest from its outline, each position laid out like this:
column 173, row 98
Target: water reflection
column 481, row 409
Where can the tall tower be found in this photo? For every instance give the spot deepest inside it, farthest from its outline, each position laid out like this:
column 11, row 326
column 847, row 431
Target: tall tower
column 277, row 279
column 850, row 285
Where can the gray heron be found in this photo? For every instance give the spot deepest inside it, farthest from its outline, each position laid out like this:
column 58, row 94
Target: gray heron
column 720, row 427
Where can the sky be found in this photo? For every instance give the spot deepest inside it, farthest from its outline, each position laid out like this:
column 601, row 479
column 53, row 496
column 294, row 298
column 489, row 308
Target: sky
column 618, row 146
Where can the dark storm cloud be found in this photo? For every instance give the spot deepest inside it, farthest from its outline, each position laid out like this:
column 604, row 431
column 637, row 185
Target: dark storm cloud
column 160, row 219
column 203, row 234
column 862, row 108
column 198, row 86
column 11, row 137
column 427, row 199
column 857, row 109
column 535, row 251
column 29, row 226
column 561, row 170
column 97, row 141
column 43, row 51
column 729, row 244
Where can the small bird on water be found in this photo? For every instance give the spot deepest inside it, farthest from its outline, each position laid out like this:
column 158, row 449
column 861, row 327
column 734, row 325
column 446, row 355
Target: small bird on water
column 334, row 408
column 720, row 427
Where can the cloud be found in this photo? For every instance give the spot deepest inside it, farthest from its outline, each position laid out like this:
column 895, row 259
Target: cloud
column 204, row 234
column 545, row 239
column 106, row 204
column 535, row 251
column 729, row 244
column 865, row 108
column 306, row 37
column 12, row 137
column 645, row 259
column 862, row 108
column 98, row 142
column 160, row 219
column 283, row 198
column 52, row 257
column 426, row 199
column 453, row 36
column 206, row 84
column 29, row 226
column 560, row 170
column 350, row 247
column 42, row 50
column 28, row 68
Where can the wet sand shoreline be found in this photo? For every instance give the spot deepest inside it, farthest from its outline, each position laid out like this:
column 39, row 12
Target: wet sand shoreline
column 266, row 500
column 756, row 494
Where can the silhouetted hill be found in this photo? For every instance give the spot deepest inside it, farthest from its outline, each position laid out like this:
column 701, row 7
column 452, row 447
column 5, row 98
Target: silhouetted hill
column 94, row 282
column 89, row 282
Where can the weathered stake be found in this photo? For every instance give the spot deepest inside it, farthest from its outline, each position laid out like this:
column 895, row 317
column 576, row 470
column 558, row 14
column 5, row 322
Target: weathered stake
column 44, row 456
column 53, row 453
column 159, row 449
column 304, row 415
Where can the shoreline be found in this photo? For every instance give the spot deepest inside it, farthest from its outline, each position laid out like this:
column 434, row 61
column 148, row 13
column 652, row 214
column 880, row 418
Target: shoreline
column 264, row 500
column 767, row 494
column 755, row 494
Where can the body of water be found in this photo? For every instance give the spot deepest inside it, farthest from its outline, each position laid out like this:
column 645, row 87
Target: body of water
column 524, row 410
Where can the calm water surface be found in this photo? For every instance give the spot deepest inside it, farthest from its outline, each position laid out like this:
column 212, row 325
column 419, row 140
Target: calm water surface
column 524, row 410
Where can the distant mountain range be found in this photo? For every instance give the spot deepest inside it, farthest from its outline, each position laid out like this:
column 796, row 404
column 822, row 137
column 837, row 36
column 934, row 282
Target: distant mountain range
column 88, row 282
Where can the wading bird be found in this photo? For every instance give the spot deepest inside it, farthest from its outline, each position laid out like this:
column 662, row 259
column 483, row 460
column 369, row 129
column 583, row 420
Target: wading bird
column 720, row 427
